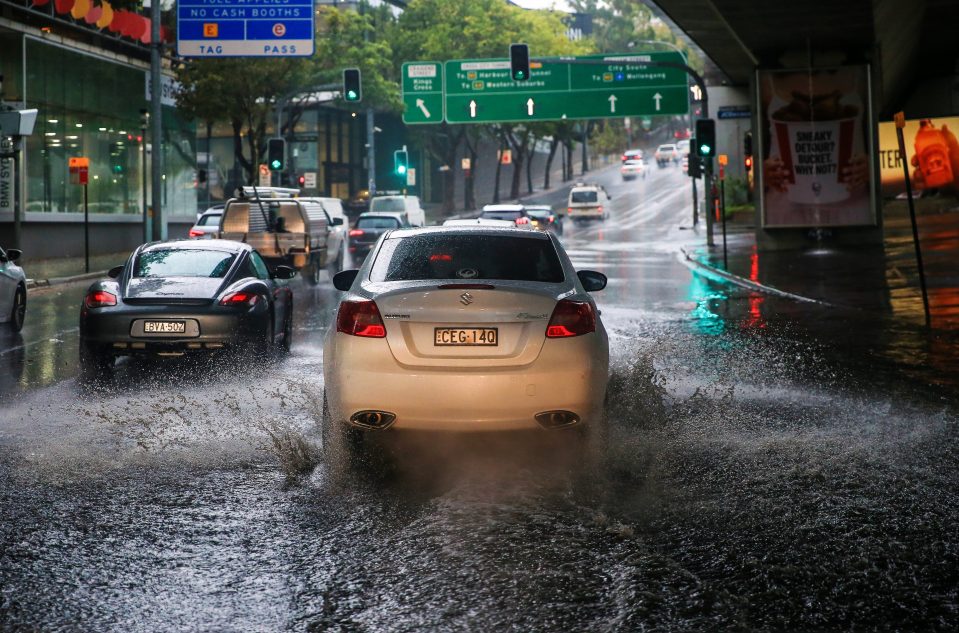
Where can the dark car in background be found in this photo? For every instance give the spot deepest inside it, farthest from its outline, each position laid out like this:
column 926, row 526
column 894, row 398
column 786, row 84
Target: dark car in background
column 369, row 227
column 185, row 296
column 543, row 218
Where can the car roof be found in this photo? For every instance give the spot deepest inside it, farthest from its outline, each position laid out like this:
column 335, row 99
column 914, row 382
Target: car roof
column 198, row 245
column 503, row 207
column 478, row 222
column 396, row 215
column 668, row 145
column 476, row 229
column 582, row 186
column 539, row 207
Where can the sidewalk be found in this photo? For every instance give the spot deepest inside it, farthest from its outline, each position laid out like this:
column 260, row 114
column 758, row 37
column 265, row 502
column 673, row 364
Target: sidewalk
column 51, row 272
column 879, row 280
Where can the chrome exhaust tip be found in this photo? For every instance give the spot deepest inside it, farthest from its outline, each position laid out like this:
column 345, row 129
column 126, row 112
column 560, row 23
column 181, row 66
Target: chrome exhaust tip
column 556, row 419
column 377, row 420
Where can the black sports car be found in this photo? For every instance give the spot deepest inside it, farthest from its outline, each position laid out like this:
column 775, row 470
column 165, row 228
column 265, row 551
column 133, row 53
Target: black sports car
column 185, row 296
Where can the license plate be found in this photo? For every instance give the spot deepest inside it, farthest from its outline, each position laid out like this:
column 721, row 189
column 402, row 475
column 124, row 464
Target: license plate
column 164, row 327
column 446, row 336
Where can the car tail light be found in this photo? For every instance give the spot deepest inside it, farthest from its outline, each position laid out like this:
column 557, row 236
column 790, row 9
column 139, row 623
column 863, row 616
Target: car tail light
column 356, row 232
column 520, row 221
column 624, row 157
column 552, row 219
column 571, row 318
column 360, row 318
column 99, row 299
column 600, row 207
column 441, row 257
column 239, row 298
column 195, row 232
column 569, row 209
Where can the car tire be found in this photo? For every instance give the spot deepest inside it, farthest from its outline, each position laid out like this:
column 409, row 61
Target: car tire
column 287, row 343
column 96, row 365
column 19, row 311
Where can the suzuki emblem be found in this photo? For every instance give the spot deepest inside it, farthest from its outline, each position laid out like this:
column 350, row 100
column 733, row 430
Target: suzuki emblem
column 466, row 298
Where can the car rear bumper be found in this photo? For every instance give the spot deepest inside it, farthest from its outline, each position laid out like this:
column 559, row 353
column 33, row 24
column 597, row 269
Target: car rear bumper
column 568, row 375
column 584, row 212
column 120, row 331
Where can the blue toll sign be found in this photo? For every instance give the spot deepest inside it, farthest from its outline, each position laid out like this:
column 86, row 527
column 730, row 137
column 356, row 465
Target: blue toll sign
column 245, row 28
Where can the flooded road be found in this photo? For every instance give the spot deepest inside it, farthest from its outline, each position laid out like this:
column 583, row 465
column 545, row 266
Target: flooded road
column 769, row 466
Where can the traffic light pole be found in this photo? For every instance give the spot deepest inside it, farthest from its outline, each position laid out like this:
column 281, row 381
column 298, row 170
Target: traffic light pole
column 371, row 151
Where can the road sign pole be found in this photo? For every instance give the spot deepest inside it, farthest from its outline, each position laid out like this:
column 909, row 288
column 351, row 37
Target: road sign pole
column 371, row 152
column 900, row 118
column 86, row 231
column 156, row 125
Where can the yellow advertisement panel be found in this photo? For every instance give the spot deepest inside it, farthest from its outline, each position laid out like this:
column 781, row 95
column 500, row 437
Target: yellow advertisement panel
column 932, row 154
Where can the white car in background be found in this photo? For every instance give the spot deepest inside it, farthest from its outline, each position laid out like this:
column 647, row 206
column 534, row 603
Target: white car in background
column 13, row 290
column 464, row 329
column 409, row 206
column 633, row 169
column 503, row 224
column 207, row 225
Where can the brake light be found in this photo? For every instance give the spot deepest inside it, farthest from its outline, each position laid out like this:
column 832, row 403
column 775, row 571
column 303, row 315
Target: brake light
column 356, row 232
column 239, row 298
column 624, row 156
column 600, row 207
column 99, row 299
column 195, row 232
column 441, row 257
column 522, row 221
column 360, row 318
column 569, row 209
column 571, row 318
column 552, row 219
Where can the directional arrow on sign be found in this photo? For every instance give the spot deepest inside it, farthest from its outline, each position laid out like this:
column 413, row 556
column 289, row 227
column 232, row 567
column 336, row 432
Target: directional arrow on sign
column 657, row 98
column 529, row 107
column 472, row 109
column 422, row 107
column 612, row 104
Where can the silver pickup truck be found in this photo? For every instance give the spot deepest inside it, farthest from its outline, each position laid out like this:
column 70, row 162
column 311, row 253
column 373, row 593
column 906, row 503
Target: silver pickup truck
column 292, row 231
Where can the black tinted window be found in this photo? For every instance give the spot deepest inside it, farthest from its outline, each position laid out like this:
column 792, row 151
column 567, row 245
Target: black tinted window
column 377, row 223
column 459, row 256
column 209, row 220
column 583, row 196
column 183, row 263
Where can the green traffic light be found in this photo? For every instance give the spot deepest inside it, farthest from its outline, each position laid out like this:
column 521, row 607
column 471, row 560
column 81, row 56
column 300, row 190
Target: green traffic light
column 401, row 169
column 705, row 150
column 351, row 95
column 520, row 74
column 276, row 164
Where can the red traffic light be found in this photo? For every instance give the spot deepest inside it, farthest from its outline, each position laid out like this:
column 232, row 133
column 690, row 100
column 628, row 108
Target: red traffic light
column 749, row 163
column 301, row 180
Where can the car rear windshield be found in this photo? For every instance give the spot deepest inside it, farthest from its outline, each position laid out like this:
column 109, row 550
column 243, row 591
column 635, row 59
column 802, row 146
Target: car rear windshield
column 378, row 223
column 501, row 215
column 583, row 196
column 209, row 220
column 387, row 204
column 171, row 262
column 667, row 148
column 537, row 213
column 467, row 257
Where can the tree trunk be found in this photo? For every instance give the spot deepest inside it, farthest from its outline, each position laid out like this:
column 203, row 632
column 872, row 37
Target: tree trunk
column 469, row 191
column 553, row 144
column 238, row 149
column 499, row 171
column 519, row 156
column 529, row 166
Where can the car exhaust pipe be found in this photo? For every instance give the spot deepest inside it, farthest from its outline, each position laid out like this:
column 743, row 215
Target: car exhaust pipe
column 556, row 419
column 376, row 420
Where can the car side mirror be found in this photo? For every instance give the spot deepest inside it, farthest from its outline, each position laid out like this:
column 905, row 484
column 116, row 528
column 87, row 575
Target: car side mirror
column 115, row 272
column 337, row 221
column 592, row 281
column 14, row 254
column 343, row 280
column 283, row 272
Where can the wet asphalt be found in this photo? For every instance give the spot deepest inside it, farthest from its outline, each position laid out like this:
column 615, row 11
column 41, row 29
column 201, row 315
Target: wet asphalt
column 770, row 466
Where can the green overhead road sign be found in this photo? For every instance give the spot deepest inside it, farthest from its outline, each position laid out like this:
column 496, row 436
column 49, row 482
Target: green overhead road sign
column 594, row 86
column 422, row 92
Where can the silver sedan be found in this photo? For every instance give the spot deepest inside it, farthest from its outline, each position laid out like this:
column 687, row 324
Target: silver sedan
column 13, row 290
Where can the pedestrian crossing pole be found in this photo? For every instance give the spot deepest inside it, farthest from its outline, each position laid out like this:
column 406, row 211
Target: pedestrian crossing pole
column 900, row 124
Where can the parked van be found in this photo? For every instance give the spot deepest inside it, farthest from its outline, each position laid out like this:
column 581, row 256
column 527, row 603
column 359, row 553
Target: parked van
column 408, row 205
column 588, row 202
column 296, row 232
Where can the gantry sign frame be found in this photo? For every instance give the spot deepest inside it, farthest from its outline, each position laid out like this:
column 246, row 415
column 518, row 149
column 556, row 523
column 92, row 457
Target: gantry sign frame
column 585, row 87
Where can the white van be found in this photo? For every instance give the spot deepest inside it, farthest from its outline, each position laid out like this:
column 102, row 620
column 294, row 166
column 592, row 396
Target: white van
column 588, row 202
column 410, row 205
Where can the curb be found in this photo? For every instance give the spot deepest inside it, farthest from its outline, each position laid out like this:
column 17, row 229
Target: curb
column 59, row 281
column 748, row 283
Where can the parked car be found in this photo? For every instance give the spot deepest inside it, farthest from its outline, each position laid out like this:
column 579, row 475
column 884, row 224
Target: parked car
column 515, row 213
column 541, row 217
column 497, row 318
column 665, row 154
column 408, row 205
column 588, row 202
column 185, row 297
column 207, row 225
column 632, row 154
column 633, row 169
column 295, row 232
column 13, row 290
column 369, row 227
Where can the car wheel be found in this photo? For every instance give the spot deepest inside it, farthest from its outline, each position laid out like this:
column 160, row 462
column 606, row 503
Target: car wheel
column 95, row 364
column 19, row 312
column 287, row 341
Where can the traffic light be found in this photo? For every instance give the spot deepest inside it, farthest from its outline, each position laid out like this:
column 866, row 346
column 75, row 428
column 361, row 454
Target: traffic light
column 748, row 150
column 351, row 85
column 118, row 158
column 519, row 62
column 706, row 138
column 276, row 154
column 695, row 167
column 400, row 162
